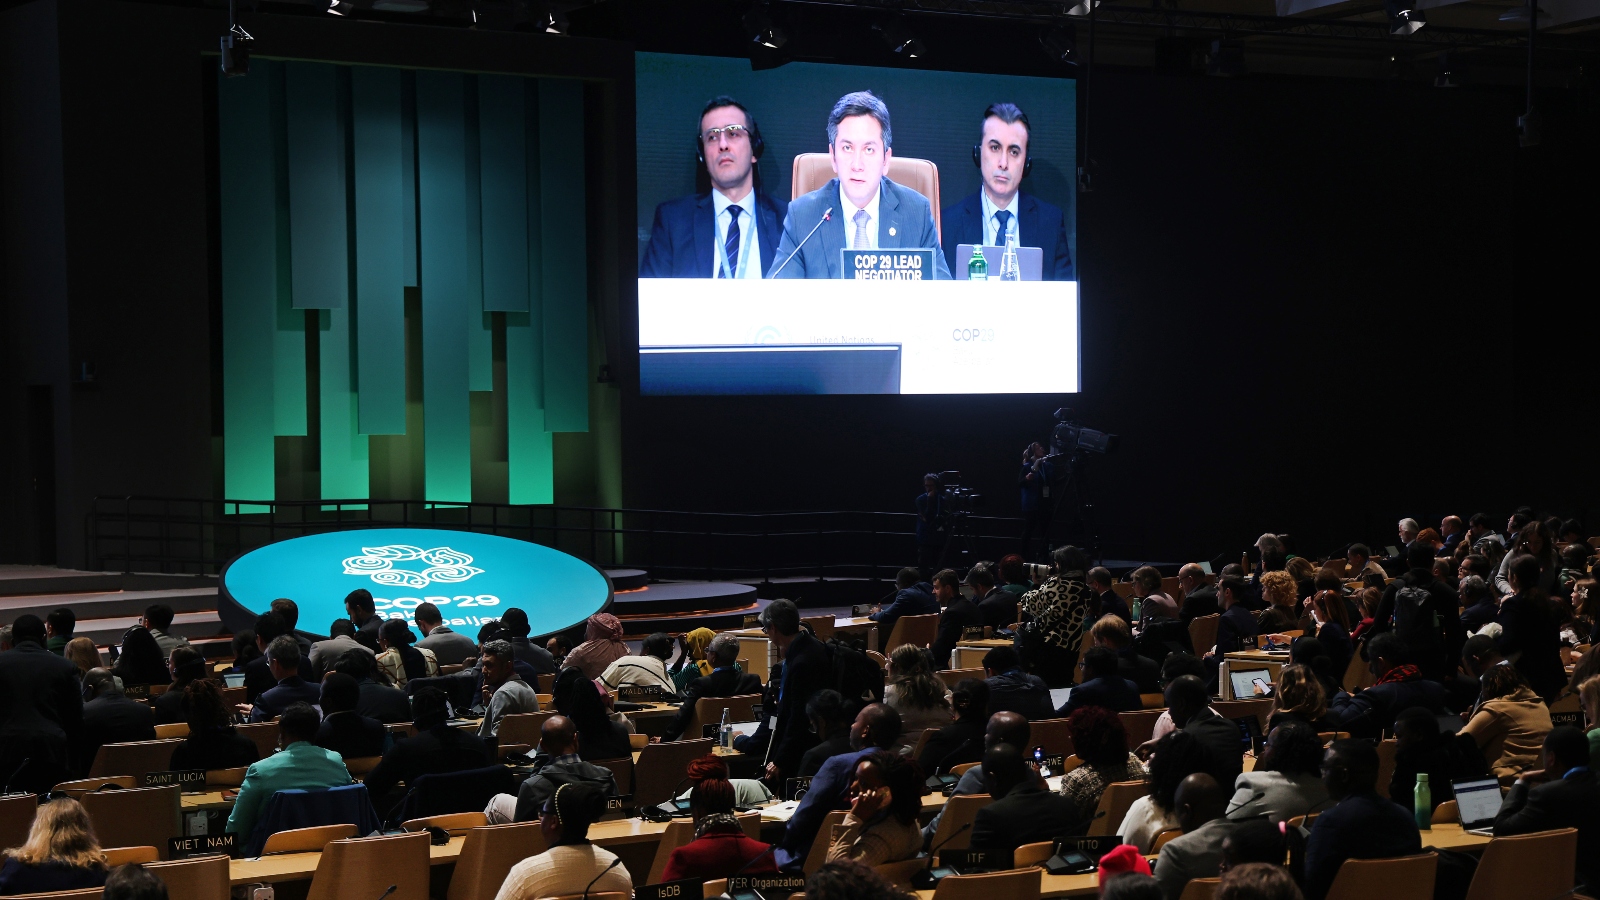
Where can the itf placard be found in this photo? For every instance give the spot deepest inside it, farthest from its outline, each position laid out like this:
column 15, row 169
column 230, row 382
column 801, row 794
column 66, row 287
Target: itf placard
column 470, row 577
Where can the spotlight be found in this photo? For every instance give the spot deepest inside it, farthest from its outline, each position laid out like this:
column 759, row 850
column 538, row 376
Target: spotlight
column 1447, row 76
column 235, row 46
column 1082, row 7
column 551, row 21
column 1225, row 59
column 1405, row 16
column 1060, row 44
column 897, row 34
column 341, row 7
column 762, row 30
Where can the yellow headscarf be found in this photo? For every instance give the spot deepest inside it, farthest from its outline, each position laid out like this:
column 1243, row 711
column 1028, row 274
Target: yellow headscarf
column 698, row 640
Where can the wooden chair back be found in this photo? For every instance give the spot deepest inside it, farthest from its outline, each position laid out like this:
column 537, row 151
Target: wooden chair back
column 306, row 840
column 365, row 867
column 819, row 844
column 1157, row 702
column 919, row 631
column 451, row 822
column 952, row 677
column 622, row 770
column 1356, row 674
column 1446, row 813
column 1305, row 821
column 135, row 818
column 232, row 696
column 226, row 777
column 265, row 735
column 487, row 855
column 523, row 728
column 713, row 889
column 200, row 878
column 708, row 711
column 173, row 730
column 821, row 626
column 678, row 833
column 1139, row 724
column 960, row 810
column 76, row 789
column 751, row 823
column 1031, row 854
column 922, row 740
column 1017, row 884
column 1114, row 804
column 82, row 894
column 359, row 766
column 16, row 818
column 1051, row 734
column 135, row 758
column 661, row 766
column 596, row 895
column 1535, row 865
column 1200, row 889
column 1400, row 878
column 960, row 769
column 1386, row 751
column 450, row 668
column 1203, row 633
column 121, row 856
column 547, row 683
column 1162, row 836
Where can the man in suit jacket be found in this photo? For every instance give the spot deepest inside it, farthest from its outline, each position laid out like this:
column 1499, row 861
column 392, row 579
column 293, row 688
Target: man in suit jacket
column 869, row 212
column 449, row 648
column 959, row 614
column 1564, row 794
column 1197, row 853
column 1105, row 686
column 109, row 717
column 999, row 210
column 731, row 230
column 1112, row 632
column 1190, row 705
column 41, row 709
column 725, row 680
column 1024, row 810
column 807, row 669
column 1110, row 603
column 913, row 597
column 436, row 748
column 1236, row 623
column 1199, row 598
column 341, row 639
column 1363, row 825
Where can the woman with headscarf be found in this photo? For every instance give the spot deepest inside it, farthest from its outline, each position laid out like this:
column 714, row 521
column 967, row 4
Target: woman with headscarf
column 578, row 698
column 602, row 645
column 141, row 661
column 692, row 650
column 720, row 847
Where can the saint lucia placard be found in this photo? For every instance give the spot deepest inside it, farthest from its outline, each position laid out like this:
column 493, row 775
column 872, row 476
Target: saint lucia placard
column 471, row 578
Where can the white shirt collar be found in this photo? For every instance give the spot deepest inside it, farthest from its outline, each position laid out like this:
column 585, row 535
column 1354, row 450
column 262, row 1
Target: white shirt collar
column 720, row 204
column 989, row 209
column 849, row 210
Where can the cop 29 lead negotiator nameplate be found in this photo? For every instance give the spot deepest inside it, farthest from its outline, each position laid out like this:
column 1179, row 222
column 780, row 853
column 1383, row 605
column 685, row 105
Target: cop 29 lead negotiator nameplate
column 470, row 577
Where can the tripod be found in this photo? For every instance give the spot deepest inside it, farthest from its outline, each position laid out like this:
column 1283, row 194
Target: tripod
column 962, row 531
column 1071, row 494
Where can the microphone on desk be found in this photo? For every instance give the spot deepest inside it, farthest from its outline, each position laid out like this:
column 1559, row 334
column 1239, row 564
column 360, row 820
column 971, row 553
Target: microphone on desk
column 385, row 894
column 614, row 863
column 14, row 773
column 924, row 880
column 825, row 217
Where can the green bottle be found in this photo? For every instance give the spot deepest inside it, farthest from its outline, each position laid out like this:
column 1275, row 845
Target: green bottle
column 978, row 268
column 1423, row 800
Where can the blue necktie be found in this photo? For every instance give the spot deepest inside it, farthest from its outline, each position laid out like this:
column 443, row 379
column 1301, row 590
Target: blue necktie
column 1003, row 217
column 731, row 246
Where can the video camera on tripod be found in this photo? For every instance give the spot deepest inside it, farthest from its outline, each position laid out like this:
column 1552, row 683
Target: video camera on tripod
column 958, row 500
column 1068, row 437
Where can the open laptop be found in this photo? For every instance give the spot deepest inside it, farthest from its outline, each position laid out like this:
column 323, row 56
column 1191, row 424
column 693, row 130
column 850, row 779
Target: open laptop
column 1058, row 696
column 1478, row 802
column 1030, row 262
column 1250, row 684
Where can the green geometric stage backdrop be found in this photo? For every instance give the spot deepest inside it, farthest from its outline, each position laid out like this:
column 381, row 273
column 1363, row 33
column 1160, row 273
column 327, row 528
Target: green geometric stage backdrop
column 341, row 187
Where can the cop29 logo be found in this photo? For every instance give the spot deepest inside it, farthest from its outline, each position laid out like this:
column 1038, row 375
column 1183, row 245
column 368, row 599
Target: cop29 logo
column 438, row 565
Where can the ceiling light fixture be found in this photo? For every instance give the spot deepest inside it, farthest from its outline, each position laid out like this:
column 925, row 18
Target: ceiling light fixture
column 898, row 35
column 1405, row 16
column 1060, row 44
column 762, row 29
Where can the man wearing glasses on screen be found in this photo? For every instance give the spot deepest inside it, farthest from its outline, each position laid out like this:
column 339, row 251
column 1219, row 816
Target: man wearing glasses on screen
column 730, row 230
column 868, row 211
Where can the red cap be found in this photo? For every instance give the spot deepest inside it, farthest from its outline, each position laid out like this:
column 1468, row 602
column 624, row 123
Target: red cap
column 1123, row 858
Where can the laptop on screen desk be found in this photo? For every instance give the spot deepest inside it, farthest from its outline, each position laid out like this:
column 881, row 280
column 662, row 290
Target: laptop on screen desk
column 1030, row 262
column 1477, row 803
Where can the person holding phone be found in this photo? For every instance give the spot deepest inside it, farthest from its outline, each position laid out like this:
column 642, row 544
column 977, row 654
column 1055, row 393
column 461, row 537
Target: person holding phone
column 885, row 800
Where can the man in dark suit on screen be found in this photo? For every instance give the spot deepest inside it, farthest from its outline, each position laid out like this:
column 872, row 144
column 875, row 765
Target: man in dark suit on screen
column 999, row 209
column 730, row 230
column 865, row 210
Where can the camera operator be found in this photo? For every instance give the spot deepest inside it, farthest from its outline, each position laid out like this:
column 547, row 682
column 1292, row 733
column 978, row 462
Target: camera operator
column 930, row 524
column 1035, row 483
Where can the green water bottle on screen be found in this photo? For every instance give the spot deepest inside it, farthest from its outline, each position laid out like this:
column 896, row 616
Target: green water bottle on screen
column 978, row 267
column 1423, row 800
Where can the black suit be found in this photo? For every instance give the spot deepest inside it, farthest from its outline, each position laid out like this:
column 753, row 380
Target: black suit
column 811, row 762
column 806, row 670
column 1039, row 224
column 1200, row 602
column 112, row 718
column 384, row 703
column 41, row 713
column 436, row 751
column 351, row 735
column 1112, row 604
column 1223, row 742
column 257, row 678
column 1572, row 802
column 683, row 238
column 1026, row 815
column 1141, row 670
column 725, row 682
column 1116, row 694
column 367, row 633
column 999, row 608
column 959, row 742
column 960, row 614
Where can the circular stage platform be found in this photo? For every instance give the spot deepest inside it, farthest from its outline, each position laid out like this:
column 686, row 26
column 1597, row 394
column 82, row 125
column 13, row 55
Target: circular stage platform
column 471, row 577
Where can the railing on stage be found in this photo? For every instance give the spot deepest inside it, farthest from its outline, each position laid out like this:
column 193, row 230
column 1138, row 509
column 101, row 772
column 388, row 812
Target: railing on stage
column 166, row 534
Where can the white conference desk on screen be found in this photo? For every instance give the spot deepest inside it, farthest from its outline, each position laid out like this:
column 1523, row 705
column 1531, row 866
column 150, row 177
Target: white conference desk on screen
column 955, row 337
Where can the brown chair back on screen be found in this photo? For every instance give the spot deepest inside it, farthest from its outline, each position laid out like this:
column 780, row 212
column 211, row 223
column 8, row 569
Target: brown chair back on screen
column 1539, row 865
column 708, row 711
column 918, row 631
column 813, row 170
column 265, row 735
column 16, row 818
column 1018, row 884
column 365, row 867
column 1203, row 633
column 487, row 855
column 306, row 840
column 661, row 766
column 135, row 818
column 1400, row 878
column 121, row 856
column 622, row 770
column 200, row 878
column 135, row 758
column 1200, row 889
column 1115, row 802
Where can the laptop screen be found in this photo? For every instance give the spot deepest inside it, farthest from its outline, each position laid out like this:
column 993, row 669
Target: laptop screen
column 1058, row 696
column 1478, row 801
column 1244, row 682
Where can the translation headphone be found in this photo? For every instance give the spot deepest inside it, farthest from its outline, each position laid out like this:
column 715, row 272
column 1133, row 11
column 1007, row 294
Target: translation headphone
column 1008, row 113
column 756, row 144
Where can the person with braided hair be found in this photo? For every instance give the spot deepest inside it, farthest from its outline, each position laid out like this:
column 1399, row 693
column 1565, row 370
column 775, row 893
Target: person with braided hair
column 720, row 847
column 572, row 865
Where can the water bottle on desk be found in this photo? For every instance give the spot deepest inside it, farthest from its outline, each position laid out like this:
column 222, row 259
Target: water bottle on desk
column 977, row 267
column 1010, row 270
column 725, row 733
column 1423, row 800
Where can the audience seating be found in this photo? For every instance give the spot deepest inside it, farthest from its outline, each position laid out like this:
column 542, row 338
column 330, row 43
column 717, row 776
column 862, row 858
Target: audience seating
column 522, row 728
column 84, row 894
column 1161, row 838
column 605, row 895
column 450, row 669
column 922, row 741
column 1070, row 763
column 136, row 817
column 1305, row 821
column 1114, row 805
column 1140, row 725
column 451, row 822
column 1203, row 633
column 708, row 711
column 751, row 823
column 265, row 734
column 622, row 770
column 16, row 817
column 821, row 627
column 173, row 730
column 1357, row 675
column 76, row 789
column 135, row 759
column 303, row 840
column 1018, row 884
column 547, row 683
column 714, row 889
column 1051, row 734
column 899, row 873
column 678, row 833
column 121, row 856
column 1031, row 854
column 1200, row 889
column 960, row 769
column 233, row 696
column 359, row 766
column 1386, row 751
column 1446, row 813
column 225, row 777
column 919, row 631
column 661, row 766
column 819, row 845
column 952, row 677
column 454, row 792
column 200, row 878
column 1157, row 702
column 1400, row 878
column 959, row 810
column 1538, row 866
column 348, row 804
column 487, row 855
column 1238, row 709
column 366, row 867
